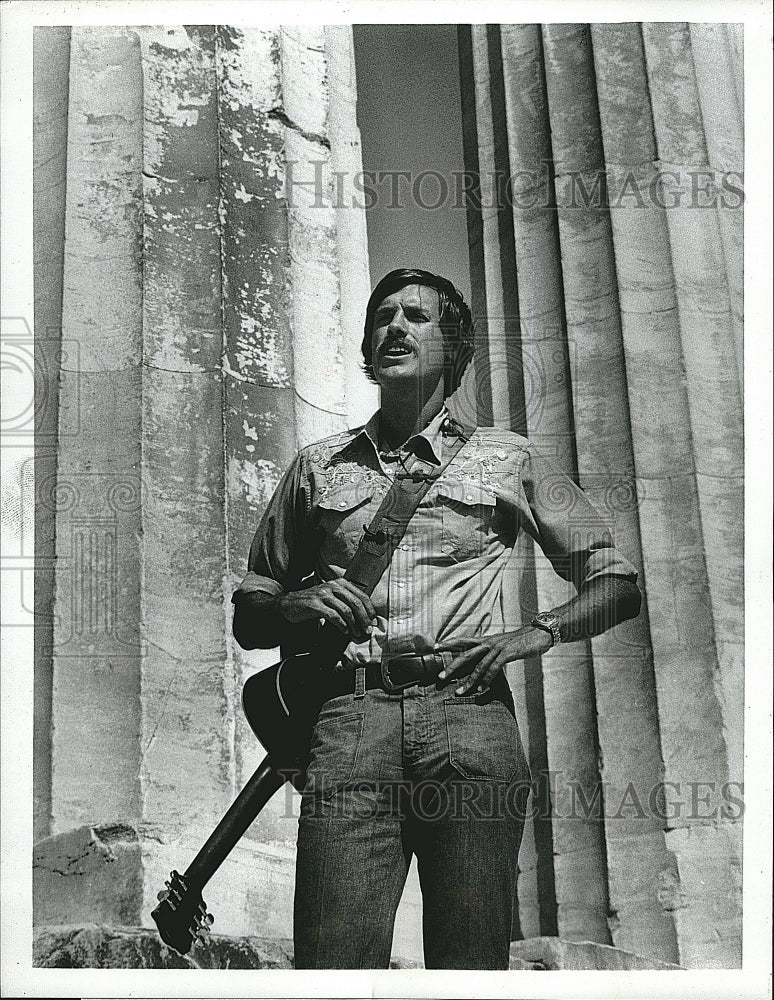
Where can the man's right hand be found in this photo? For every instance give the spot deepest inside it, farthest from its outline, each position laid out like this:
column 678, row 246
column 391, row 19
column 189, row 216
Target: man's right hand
column 338, row 601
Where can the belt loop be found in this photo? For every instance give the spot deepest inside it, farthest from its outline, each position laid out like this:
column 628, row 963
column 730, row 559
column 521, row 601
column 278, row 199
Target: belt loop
column 360, row 682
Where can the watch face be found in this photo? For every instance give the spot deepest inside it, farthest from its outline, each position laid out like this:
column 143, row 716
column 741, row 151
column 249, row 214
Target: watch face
column 548, row 621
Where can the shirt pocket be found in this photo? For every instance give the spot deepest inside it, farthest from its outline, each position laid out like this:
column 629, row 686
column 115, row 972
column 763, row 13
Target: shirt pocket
column 467, row 510
column 342, row 513
column 484, row 741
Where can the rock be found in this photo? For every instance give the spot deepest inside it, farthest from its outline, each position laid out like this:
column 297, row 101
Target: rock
column 99, row 947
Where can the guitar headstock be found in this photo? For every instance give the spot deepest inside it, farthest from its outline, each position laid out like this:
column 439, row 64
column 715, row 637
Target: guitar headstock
column 181, row 915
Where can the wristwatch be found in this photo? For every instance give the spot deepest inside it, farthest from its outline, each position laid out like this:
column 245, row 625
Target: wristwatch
column 548, row 621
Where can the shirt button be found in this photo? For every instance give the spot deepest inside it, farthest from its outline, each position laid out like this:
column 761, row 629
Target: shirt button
column 469, row 496
column 342, row 503
column 501, row 455
column 400, row 584
column 405, row 547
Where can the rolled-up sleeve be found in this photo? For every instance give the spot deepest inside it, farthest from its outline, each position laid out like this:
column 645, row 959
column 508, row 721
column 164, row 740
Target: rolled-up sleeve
column 280, row 555
column 566, row 525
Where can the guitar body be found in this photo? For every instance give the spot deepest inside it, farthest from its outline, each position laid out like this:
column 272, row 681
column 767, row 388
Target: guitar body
column 281, row 704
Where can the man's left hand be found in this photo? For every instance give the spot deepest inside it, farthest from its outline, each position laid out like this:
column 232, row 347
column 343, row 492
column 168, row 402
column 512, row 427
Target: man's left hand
column 483, row 657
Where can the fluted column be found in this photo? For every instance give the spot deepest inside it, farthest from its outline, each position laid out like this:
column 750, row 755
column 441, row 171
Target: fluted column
column 259, row 423
column 313, row 279
column 706, row 312
column 185, row 686
column 97, row 659
column 501, row 399
column 570, row 715
column 284, row 245
column 51, row 74
column 683, row 637
column 714, row 396
column 626, row 704
column 721, row 101
column 346, row 160
column 498, row 326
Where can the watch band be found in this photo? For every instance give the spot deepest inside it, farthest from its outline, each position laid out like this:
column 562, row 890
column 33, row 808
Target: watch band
column 548, row 621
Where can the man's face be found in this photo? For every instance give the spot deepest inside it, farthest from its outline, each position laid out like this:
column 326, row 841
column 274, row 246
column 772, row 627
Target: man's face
column 407, row 341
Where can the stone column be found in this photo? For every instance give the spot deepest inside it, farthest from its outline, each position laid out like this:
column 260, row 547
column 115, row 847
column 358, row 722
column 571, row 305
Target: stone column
column 568, row 685
column 346, row 159
column 98, row 647
column 706, row 314
column 51, row 74
column 260, row 425
column 706, row 329
column 187, row 684
column 628, row 728
column 285, row 379
column 682, row 632
column 499, row 325
column 721, row 100
column 500, row 385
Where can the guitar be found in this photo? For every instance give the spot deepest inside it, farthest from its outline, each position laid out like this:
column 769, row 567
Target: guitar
column 280, row 704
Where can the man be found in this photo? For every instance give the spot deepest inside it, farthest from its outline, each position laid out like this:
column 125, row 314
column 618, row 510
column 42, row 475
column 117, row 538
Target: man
column 422, row 756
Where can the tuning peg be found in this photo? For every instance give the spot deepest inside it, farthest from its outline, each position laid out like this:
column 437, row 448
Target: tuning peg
column 202, row 935
column 161, row 896
column 210, row 919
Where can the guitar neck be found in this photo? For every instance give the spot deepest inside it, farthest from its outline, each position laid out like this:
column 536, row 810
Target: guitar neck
column 253, row 797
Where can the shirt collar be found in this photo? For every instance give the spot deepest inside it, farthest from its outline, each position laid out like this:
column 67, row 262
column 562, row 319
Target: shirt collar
column 432, row 434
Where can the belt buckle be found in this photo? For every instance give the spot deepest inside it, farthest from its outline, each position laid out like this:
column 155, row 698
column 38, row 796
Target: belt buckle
column 389, row 685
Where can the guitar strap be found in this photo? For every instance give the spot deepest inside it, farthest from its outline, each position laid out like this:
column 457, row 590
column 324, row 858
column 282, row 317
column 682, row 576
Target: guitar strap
column 383, row 535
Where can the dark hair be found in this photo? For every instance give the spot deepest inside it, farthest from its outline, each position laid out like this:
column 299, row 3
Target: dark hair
column 455, row 320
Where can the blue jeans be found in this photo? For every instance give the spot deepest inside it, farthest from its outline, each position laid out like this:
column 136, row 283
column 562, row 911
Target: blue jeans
column 420, row 772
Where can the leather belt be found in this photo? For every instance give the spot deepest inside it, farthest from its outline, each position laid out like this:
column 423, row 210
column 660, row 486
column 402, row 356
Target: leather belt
column 393, row 676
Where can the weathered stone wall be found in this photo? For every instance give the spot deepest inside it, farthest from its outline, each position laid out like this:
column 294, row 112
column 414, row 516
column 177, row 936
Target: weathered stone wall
column 623, row 322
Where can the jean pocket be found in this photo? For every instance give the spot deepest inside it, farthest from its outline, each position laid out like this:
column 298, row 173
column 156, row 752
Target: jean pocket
column 466, row 518
column 484, row 742
column 333, row 751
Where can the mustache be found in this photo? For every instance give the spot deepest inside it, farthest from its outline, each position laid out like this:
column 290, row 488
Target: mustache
column 392, row 341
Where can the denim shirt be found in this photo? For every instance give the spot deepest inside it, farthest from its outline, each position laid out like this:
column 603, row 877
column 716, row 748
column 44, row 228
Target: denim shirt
column 446, row 577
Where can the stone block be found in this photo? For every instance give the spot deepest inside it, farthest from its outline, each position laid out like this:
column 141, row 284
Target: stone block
column 110, row 874
column 87, row 875
column 552, row 953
